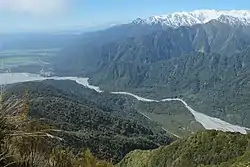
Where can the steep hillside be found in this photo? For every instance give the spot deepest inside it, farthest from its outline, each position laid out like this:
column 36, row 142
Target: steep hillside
column 214, row 84
column 209, row 148
column 86, row 51
column 134, row 55
column 145, row 44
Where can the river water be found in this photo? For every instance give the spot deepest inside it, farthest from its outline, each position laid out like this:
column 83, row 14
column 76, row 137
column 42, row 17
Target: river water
column 207, row 121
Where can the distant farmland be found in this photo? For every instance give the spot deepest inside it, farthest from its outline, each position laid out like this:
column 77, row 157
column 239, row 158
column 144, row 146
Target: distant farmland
column 14, row 58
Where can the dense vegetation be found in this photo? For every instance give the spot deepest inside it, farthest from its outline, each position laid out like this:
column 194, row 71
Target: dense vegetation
column 26, row 142
column 172, row 116
column 46, row 126
column 211, row 148
column 29, row 142
column 105, row 124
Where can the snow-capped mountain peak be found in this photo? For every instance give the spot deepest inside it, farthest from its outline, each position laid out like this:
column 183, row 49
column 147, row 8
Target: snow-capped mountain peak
column 233, row 17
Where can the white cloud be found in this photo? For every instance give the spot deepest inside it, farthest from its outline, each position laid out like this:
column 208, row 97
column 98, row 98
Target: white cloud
column 33, row 6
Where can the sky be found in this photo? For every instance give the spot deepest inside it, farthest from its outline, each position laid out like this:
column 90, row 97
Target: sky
column 44, row 15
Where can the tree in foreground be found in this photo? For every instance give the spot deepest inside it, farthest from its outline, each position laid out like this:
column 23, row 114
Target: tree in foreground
column 26, row 142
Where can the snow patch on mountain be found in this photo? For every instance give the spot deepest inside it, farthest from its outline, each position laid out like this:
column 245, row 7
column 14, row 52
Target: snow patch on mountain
column 177, row 19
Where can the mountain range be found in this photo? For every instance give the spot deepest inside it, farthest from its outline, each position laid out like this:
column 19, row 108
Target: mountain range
column 177, row 19
column 206, row 63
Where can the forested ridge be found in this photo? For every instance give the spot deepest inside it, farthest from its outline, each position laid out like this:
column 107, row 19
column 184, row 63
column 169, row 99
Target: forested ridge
column 106, row 125
column 204, row 149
